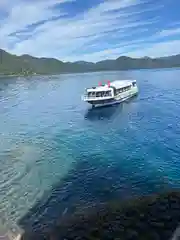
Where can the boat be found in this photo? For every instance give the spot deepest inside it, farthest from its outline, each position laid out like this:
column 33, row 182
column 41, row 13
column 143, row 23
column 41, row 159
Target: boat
column 110, row 93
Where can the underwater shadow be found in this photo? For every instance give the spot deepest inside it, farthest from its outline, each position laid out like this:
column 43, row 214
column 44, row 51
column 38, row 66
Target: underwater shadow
column 90, row 183
column 103, row 113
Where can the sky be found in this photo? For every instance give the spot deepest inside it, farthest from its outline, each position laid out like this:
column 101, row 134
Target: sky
column 90, row 30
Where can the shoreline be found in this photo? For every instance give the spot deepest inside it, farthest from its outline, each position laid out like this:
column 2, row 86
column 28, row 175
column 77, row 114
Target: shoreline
column 79, row 72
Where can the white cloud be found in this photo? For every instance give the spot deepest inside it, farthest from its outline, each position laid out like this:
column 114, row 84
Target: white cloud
column 130, row 49
column 109, row 53
column 23, row 14
column 169, row 32
column 161, row 49
column 103, row 31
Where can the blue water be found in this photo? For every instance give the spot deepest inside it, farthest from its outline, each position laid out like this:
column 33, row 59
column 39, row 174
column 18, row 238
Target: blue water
column 57, row 152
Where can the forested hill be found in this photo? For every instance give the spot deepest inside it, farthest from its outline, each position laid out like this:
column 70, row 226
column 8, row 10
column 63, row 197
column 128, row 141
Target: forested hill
column 26, row 64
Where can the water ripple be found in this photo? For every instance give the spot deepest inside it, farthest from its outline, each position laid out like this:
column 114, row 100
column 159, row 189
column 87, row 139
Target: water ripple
column 58, row 155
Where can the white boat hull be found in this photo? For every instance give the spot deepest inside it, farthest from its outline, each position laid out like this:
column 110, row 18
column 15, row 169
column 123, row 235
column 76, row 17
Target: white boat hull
column 116, row 101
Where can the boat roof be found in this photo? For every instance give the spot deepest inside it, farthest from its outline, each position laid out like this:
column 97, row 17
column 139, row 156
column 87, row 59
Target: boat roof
column 117, row 84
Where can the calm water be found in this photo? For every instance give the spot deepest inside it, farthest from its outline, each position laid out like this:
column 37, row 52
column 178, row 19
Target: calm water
column 55, row 151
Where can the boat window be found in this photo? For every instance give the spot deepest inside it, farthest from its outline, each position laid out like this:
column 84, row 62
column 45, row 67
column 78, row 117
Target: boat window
column 98, row 94
column 120, row 90
column 103, row 94
column 124, row 89
column 108, row 93
column 91, row 94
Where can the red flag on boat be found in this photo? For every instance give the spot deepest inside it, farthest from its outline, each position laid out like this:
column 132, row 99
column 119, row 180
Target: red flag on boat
column 100, row 83
column 109, row 83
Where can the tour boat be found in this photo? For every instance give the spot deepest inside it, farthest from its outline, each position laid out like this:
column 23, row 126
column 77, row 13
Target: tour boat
column 110, row 93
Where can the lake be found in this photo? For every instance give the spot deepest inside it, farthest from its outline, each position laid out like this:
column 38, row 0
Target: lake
column 58, row 155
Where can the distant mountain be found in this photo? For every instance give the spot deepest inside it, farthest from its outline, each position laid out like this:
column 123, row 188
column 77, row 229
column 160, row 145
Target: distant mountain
column 11, row 64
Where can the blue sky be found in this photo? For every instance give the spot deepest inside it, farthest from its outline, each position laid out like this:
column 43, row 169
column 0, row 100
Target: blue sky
column 90, row 30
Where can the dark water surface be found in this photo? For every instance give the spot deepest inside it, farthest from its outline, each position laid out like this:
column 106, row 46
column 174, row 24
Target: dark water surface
column 57, row 154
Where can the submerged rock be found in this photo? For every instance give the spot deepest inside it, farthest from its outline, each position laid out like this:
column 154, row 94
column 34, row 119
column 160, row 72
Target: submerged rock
column 153, row 217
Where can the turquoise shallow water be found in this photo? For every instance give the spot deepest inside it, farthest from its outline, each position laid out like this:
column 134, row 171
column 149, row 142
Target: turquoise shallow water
column 57, row 154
